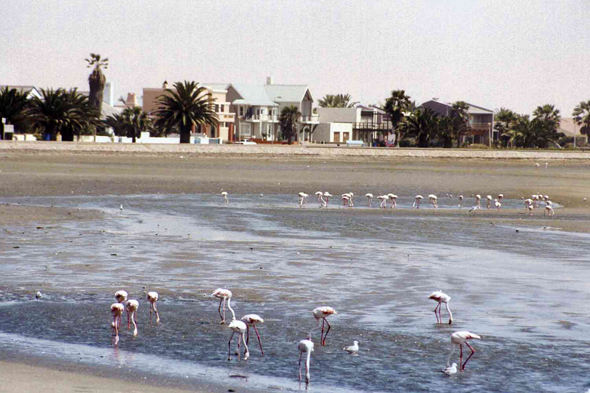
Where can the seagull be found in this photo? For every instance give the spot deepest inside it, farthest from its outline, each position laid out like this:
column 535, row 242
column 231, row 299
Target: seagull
column 38, row 295
column 450, row 370
column 353, row 349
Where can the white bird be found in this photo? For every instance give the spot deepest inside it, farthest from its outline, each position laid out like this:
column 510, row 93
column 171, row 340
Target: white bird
column 121, row 207
column 433, row 199
column 252, row 320
column 38, row 295
column 354, row 348
column 441, row 297
column 222, row 295
column 326, row 199
column 152, row 297
column 497, row 204
column 549, row 210
column 131, row 306
column 346, row 200
column 369, row 198
column 478, row 200
column 489, row 198
column 117, row 311
column 417, row 201
column 500, row 196
column 305, row 346
column 322, row 313
column 350, row 196
column 224, row 195
column 383, row 199
column 460, row 200
column 237, row 327
column 458, row 339
column 121, row 297
column 450, row 370
column 319, row 195
column 393, row 198
column 302, row 199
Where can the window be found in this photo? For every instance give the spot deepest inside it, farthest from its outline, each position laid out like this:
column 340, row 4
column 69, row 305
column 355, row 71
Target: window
column 216, row 108
column 241, row 111
column 222, row 107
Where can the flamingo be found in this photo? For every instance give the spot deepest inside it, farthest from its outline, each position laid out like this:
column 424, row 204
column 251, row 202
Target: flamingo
column 441, row 297
column 117, row 311
column 433, row 199
column 322, row 313
column 489, row 198
column 549, row 210
column 478, row 200
column 393, row 199
column 302, row 199
column 236, row 327
column 224, row 195
column 152, row 297
column 305, row 346
column 417, row 201
column 500, row 196
column 383, row 199
column 460, row 200
column 318, row 195
column 353, row 349
column 458, row 339
column 131, row 306
column 346, row 200
column 350, row 196
column 222, row 295
column 450, row 370
column 327, row 196
column 497, row 204
column 369, row 199
column 252, row 320
column 121, row 297
column 527, row 203
column 530, row 209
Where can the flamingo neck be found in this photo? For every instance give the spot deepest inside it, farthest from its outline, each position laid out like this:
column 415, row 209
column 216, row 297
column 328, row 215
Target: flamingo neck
column 307, row 362
column 231, row 309
column 450, row 355
column 450, row 313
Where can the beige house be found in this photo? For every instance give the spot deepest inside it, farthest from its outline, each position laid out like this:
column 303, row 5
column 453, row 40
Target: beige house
column 366, row 123
column 224, row 129
column 572, row 131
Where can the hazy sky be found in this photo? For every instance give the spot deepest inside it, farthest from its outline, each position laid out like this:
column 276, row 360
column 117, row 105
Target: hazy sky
column 499, row 53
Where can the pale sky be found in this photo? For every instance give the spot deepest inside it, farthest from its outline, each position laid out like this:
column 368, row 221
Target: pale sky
column 516, row 54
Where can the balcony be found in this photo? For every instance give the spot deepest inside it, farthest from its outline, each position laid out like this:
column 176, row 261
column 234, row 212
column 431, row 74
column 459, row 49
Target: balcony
column 480, row 126
column 313, row 119
column 262, row 118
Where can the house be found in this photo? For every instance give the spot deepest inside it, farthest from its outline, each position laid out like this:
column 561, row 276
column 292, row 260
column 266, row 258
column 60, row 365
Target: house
column 258, row 108
column 224, row 129
column 480, row 128
column 31, row 91
column 572, row 131
column 369, row 124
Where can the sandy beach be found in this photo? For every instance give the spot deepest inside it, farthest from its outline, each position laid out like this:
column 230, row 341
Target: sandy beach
column 40, row 169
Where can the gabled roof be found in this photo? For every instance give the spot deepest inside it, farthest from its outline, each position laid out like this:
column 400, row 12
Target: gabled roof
column 216, row 86
column 287, row 93
column 473, row 109
column 254, row 95
column 31, row 90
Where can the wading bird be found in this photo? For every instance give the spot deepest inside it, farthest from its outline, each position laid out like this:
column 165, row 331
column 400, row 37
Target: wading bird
column 237, row 327
column 117, row 311
column 302, row 199
column 224, row 195
column 441, row 297
column 222, row 295
column 458, row 339
column 131, row 306
column 152, row 297
column 450, row 370
column 478, row 200
column 369, row 199
column 433, row 200
column 252, row 320
column 326, row 199
column 322, row 313
column 489, row 198
column 353, row 349
column 393, row 200
column 305, row 346
column 497, row 204
column 417, row 202
column 383, row 199
column 121, row 297
column 460, row 200
column 549, row 210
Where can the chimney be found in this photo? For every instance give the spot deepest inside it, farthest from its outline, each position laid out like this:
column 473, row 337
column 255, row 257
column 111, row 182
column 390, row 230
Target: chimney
column 269, row 80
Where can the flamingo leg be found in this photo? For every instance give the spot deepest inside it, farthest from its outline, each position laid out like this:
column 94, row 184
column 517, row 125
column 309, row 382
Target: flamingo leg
column 472, row 352
column 151, row 308
column 246, row 350
column 157, row 314
column 327, row 331
column 300, row 355
column 460, row 357
column 240, row 336
column 247, row 334
column 322, row 334
column 219, row 310
column 435, row 314
column 259, row 341
column 440, row 312
column 229, row 346
column 128, row 321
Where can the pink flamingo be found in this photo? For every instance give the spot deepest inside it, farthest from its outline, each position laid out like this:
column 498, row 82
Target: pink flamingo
column 393, row 199
column 252, row 320
column 417, row 201
column 131, row 306
column 497, row 204
column 433, row 199
column 369, row 198
column 117, row 311
column 326, row 199
column 222, row 295
column 478, row 200
column 224, row 196
column 152, row 297
column 302, row 199
column 305, row 346
column 322, row 313
column 458, row 339
column 237, row 327
column 121, row 297
column 460, row 200
column 383, row 199
column 441, row 298
column 549, row 210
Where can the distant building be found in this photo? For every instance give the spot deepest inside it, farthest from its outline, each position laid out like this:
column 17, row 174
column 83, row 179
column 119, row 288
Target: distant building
column 369, row 124
column 480, row 129
column 572, row 131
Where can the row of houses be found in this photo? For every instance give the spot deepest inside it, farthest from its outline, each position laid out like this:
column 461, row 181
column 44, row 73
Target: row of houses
column 251, row 111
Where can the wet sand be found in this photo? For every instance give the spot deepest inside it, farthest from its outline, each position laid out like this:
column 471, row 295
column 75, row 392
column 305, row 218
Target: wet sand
column 26, row 173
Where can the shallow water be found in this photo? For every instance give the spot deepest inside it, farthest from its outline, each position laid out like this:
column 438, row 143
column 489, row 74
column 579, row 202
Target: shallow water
column 525, row 293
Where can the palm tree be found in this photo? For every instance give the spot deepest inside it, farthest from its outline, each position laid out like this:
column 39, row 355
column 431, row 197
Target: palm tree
column 337, row 101
column 396, row 107
column 504, row 121
column 582, row 117
column 187, row 105
column 97, row 80
column 61, row 111
column 289, row 122
column 13, row 105
column 547, row 129
column 422, row 124
column 130, row 123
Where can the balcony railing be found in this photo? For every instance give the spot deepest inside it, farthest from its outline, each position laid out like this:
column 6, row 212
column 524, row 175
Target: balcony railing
column 267, row 118
column 474, row 125
column 372, row 126
column 310, row 119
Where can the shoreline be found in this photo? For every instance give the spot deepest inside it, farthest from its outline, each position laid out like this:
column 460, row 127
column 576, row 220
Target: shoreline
column 278, row 150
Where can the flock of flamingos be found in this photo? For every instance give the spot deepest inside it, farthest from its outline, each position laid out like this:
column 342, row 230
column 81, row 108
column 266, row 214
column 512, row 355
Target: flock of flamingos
column 306, row 346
